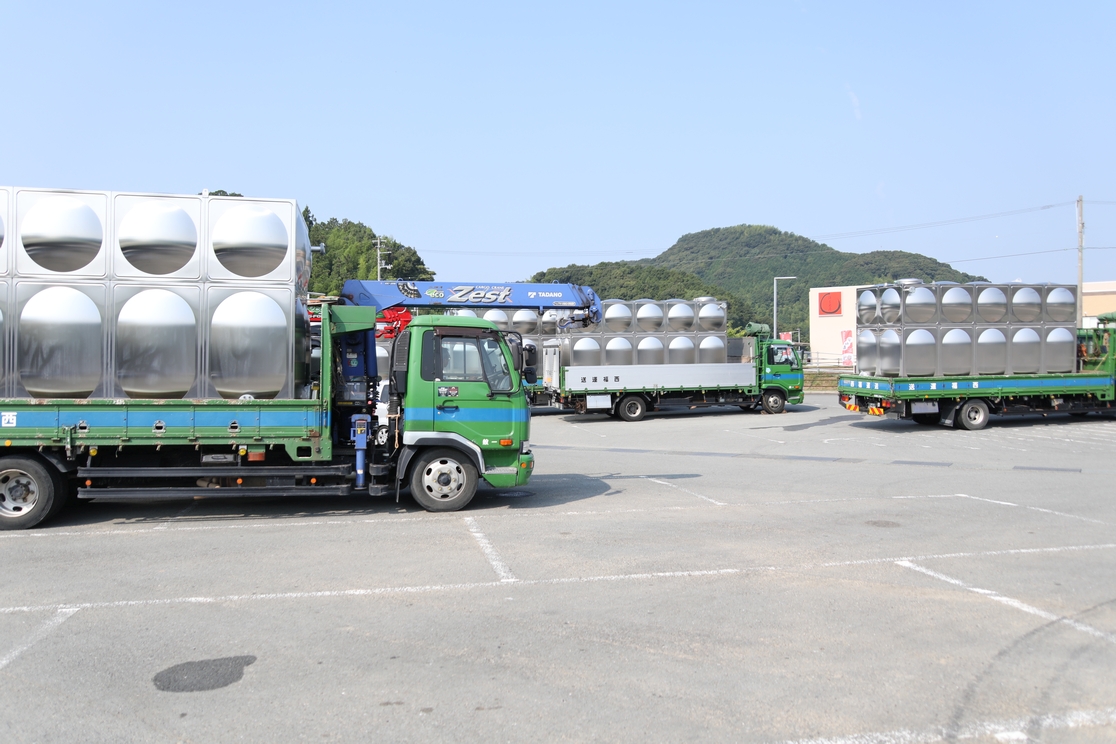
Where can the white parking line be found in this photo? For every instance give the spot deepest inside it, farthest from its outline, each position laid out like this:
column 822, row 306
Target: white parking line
column 490, row 553
column 387, row 590
column 683, row 490
column 1010, row 730
column 994, row 596
column 39, row 634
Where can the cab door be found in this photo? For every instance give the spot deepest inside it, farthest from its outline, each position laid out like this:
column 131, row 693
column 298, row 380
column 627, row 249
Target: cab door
column 472, row 388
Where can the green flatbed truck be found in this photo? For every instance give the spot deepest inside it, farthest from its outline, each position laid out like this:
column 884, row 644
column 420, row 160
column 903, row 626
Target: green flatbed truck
column 969, row 401
column 458, row 415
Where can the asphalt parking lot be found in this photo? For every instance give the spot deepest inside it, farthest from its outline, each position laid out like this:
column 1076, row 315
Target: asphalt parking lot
column 722, row 575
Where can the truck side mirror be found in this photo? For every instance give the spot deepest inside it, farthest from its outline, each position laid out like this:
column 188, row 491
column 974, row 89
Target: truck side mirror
column 530, row 355
column 529, row 376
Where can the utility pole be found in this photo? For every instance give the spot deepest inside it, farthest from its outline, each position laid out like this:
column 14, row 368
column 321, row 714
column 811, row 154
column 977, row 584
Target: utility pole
column 775, row 306
column 1080, row 259
column 379, row 261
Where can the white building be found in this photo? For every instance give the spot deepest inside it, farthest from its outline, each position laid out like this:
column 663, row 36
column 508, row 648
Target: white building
column 833, row 326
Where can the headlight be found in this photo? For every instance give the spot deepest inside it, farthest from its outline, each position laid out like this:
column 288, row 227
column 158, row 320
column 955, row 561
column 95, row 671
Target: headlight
column 524, row 447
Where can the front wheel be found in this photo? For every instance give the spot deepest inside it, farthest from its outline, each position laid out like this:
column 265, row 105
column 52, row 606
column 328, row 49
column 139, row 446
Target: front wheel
column 774, row 401
column 973, row 415
column 632, row 408
column 443, row 480
column 29, row 493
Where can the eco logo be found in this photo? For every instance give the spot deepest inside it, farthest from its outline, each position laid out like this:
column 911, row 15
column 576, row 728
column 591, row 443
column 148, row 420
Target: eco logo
column 435, row 292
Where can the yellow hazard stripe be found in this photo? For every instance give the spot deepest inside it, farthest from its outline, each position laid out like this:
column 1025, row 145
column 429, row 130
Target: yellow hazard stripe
column 852, row 406
column 873, row 411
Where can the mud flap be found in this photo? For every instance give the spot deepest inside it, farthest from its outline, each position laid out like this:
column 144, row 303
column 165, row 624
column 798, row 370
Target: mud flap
column 948, row 408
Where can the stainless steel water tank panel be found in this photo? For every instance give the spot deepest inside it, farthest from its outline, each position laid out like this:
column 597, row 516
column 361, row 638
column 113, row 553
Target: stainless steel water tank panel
column 249, row 346
column 650, row 350
column 867, row 352
column 499, row 317
column 1026, row 304
column 890, row 305
column 60, row 341
column 649, row 316
column 157, row 237
column 991, row 303
column 462, row 312
column 711, row 317
column 1025, row 351
column 908, row 282
column 955, row 355
column 548, row 324
column 705, row 299
column 890, row 353
column 712, row 350
column 1059, row 353
column 957, row 305
column 1061, row 305
column 920, row 305
column 681, row 350
column 302, row 350
column 156, row 345
column 617, row 316
column 250, row 240
column 619, row 350
column 680, row 316
column 60, row 233
column 525, row 320
column 867, row 307
column 991, row 351
column 920, row 357
column 586, row 352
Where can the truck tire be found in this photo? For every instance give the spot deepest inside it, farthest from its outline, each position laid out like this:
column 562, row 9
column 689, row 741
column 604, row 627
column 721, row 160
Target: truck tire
column 774, row 401
column 381, row 436
column 632, row 408
column 973, row 414
column 29, row 493
column 443, row 480
column 927, row 419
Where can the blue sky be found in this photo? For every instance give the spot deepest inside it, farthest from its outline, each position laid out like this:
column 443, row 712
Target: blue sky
column 503, row 138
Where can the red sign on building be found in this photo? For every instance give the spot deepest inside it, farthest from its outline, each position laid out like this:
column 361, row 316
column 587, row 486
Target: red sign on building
column 829, row 303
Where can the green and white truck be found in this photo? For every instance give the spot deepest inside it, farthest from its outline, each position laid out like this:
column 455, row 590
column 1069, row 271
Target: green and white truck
column 767, row 373
column 968, row 401
column 458, row 416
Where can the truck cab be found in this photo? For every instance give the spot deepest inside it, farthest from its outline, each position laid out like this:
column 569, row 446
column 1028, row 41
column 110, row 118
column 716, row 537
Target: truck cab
column 781, row 377
column 457, row 410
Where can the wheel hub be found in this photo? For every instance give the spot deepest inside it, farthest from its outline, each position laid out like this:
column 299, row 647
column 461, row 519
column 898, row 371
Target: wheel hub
column 443, row 479
column 18, row 493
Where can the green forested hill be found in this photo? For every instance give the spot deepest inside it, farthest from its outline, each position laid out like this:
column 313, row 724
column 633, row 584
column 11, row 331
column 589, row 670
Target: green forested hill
column 351, row 254
column 743, row 259
column 738, row 263
column 629, row 280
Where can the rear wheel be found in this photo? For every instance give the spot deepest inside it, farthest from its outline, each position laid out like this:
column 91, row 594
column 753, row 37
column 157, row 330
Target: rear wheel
column 632, row 408
column 927, row 419
column 29, row 493
column 774, row 401
column 973, row 415
column 443, row 480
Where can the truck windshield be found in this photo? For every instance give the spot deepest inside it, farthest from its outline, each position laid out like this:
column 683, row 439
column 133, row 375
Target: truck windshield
column 475, row 360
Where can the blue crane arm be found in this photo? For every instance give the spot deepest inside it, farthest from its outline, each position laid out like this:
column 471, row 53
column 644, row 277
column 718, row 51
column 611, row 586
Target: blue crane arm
column 541, row 297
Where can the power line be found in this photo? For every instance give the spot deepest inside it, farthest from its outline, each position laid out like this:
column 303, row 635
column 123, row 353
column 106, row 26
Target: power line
column 942, row 223
column 1032, row 253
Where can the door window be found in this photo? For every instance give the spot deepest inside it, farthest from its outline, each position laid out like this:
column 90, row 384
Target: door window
column 474, row 360
column 782, row 355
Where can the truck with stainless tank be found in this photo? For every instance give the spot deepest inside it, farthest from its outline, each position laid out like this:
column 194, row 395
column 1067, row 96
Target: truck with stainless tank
column 158, row 347
column 955, row 354
column 650, row 354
